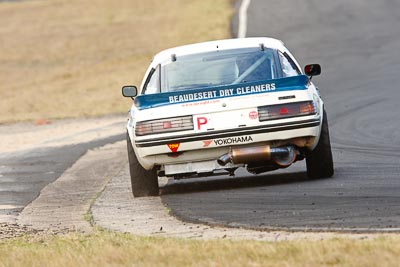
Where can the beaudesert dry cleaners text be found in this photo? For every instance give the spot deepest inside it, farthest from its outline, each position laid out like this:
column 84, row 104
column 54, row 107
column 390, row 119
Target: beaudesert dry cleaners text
column 222, row 93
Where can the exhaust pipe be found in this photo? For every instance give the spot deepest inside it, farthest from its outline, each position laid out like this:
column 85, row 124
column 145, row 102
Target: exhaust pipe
column 282, row 156
column 224, row 159
column 286, row 159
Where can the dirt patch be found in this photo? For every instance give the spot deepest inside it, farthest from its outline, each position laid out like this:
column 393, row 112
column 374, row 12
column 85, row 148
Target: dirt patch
column 56, row 133
column 13, row 230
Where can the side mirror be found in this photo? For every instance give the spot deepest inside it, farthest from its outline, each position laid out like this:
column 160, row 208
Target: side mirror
column 312, row 70
column 129, row 91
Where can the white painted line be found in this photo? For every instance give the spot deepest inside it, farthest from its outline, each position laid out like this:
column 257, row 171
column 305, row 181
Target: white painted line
column 10, row 207
column 243, row 18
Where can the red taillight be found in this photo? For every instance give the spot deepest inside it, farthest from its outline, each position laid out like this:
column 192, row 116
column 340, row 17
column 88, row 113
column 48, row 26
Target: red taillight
column 283, row 111
column 288, row 110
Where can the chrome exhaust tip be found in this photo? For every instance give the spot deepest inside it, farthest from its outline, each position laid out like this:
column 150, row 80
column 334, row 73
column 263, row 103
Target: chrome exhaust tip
column 283, row 156
column 224, row 159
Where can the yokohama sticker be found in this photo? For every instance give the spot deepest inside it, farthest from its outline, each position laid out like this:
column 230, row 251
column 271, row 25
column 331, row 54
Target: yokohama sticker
column 173, row 147
column 206, row 143
column 233, row 140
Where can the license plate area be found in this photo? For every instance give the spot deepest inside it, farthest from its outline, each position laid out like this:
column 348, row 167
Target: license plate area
column 225, row 120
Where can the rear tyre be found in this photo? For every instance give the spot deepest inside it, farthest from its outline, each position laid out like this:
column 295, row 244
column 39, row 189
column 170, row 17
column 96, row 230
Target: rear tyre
column 144, row 182
column 319, row 161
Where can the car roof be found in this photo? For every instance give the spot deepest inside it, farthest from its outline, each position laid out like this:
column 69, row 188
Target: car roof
column 218, row 45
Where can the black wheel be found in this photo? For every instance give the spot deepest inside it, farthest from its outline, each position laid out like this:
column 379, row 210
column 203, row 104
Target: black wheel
column 144, row 182
column 319, row 161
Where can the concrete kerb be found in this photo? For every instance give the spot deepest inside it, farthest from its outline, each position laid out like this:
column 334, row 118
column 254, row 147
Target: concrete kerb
column 64, row 204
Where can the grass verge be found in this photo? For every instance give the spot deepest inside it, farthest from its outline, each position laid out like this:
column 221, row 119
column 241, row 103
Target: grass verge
column 103, row 248
column 69, row 58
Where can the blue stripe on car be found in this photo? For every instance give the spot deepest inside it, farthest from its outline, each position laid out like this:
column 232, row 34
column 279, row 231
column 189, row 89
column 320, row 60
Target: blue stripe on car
column 203, row 94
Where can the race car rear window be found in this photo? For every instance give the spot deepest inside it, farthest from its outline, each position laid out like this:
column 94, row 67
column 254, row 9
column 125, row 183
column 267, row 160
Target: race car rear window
column 218, row 68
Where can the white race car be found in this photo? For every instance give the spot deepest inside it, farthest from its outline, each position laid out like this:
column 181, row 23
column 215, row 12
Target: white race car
column 210, row 108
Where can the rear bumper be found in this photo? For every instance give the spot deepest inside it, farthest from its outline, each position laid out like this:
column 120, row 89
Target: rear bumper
column 229, row 133
column 211, row 145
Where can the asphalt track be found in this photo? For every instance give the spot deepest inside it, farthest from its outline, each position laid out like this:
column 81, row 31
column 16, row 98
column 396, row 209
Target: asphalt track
column 357, row 44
